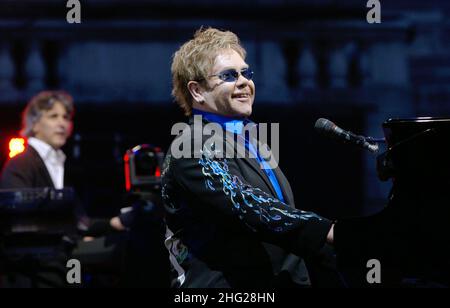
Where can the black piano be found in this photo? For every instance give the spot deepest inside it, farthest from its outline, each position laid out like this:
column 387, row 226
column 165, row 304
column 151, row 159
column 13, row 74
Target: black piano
column 410, row 237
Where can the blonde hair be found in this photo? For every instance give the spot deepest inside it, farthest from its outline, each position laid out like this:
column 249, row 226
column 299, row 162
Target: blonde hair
column 41, row 102
column 195, row 59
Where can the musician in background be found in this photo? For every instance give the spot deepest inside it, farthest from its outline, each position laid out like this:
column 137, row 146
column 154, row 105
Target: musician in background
column 47, row 123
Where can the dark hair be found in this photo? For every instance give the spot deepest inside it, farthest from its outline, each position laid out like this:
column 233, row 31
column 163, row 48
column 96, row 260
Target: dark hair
column 43, row 101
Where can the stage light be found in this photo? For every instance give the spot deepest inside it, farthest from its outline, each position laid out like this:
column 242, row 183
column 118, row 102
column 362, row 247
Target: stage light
column 16, row 146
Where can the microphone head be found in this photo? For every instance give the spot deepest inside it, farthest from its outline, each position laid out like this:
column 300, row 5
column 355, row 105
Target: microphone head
column 329, row 129
column 324, row 126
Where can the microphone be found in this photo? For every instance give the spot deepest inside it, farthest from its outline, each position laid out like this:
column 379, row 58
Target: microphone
column 329, row 129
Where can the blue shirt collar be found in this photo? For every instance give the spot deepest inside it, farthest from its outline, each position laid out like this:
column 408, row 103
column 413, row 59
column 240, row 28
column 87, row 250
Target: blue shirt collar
column 234, row 125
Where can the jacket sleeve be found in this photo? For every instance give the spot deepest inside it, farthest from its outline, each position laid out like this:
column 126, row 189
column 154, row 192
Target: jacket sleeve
column 219, row 184
column 13, row 176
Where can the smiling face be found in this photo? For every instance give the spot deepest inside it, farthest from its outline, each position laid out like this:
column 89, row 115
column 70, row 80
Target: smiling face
column 54, row 126
column 235, row 98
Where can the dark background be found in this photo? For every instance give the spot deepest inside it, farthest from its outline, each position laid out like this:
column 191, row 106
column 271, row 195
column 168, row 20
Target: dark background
column 311, row 59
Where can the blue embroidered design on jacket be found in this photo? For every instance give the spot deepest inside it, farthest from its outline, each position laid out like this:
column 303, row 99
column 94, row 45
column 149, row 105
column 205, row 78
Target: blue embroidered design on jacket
column 245, row 198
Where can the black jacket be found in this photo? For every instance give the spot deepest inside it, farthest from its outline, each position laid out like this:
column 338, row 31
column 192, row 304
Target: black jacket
column 28, row 170
column 233, row 232
column 25, row 170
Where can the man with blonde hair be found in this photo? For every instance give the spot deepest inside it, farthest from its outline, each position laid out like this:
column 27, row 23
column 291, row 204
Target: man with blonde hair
column 231, row 223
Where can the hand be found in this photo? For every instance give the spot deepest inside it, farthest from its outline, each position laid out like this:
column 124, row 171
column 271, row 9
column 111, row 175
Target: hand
column 330, row 235
column 116, row 224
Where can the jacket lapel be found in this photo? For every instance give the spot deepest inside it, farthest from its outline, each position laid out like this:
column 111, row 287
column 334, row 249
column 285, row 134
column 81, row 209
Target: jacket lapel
column 285, row 186
column 43, row 172
column 281, row 178
column 253, row 164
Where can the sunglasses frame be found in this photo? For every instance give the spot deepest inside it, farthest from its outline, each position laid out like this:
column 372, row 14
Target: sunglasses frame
column 234, row 74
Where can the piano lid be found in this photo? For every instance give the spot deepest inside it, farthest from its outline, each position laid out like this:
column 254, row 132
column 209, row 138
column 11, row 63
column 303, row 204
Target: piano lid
column 398, row 130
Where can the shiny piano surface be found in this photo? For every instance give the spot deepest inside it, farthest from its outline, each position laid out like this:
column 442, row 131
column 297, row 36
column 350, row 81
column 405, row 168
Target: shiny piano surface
column 410, row 236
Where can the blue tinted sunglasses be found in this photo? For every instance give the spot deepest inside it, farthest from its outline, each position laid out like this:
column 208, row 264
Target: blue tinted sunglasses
column 232, row 75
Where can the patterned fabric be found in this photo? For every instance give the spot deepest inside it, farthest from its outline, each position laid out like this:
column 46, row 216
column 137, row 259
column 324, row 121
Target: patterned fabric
column 247, row 200
column 225, row 225
column 236, row 126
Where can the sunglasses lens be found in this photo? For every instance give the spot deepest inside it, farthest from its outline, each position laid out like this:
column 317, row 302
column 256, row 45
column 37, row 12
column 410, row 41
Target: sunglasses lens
column 233, row 75
column 247, row 73
column 229, row 76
